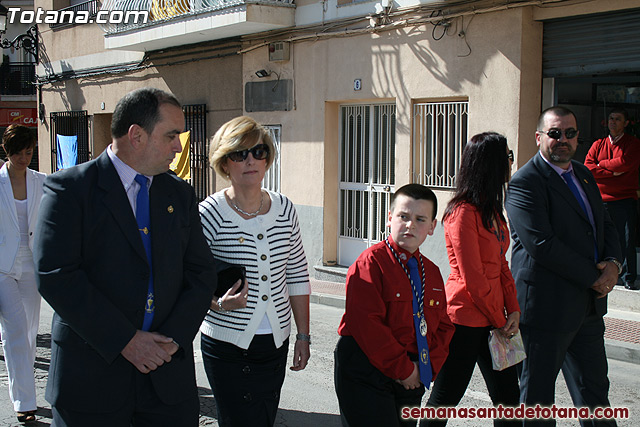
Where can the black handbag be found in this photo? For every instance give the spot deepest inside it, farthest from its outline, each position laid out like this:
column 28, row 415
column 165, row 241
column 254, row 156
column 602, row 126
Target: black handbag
column 228, row 275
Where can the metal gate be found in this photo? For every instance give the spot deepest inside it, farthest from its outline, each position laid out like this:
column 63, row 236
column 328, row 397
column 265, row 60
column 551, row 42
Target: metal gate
column 195, row 117
column 367, row 176
column 70, row 123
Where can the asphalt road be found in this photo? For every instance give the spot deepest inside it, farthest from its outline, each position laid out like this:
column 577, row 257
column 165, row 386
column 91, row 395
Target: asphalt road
column 308, row 397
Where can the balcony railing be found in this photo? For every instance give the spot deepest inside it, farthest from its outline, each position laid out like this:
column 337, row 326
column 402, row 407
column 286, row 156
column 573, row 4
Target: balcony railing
column 144, row 13
column 17, row 78
column 70, row 18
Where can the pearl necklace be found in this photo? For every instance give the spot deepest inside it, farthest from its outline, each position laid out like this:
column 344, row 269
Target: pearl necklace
column 249, row 213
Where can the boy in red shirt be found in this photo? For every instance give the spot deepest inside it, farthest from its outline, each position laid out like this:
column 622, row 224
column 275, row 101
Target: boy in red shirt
column 395, row 332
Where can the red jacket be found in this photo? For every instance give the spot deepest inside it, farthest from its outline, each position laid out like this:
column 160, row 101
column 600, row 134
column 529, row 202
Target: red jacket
column 379, row 311
column 605, row 158
column 480, row 290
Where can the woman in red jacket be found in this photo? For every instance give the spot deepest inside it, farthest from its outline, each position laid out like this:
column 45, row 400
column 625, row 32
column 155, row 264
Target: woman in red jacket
column 481, row 293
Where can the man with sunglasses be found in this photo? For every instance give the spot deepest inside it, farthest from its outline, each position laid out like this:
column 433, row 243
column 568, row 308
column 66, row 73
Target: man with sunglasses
column 564, row 261
column 614, row 162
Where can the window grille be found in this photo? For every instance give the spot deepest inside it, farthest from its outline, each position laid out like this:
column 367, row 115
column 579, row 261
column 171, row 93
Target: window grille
column 195, row 117
column 70, row 123
column 271, row 179
column 440, row 132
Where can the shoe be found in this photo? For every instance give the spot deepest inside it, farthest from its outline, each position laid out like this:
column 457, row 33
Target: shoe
column 27, row 417
column 631, row 286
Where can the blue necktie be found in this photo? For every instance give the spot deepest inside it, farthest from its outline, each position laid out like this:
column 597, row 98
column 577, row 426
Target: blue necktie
column 424, row 363
column 572, row 186
column 144, row 224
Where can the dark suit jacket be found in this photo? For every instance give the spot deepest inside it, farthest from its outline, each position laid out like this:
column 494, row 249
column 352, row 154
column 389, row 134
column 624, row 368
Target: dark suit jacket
column 553, row 254
column 93, row 271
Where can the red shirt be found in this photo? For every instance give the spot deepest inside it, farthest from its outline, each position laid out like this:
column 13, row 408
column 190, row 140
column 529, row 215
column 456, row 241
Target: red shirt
column 605, row 158
column 379, row 311
column 480, row 289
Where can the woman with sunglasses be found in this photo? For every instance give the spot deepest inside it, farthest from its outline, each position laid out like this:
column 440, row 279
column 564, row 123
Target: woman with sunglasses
column 481, row 293
column 20, row 193
column 245, row 335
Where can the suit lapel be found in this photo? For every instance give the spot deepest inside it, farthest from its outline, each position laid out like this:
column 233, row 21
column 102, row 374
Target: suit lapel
column 116, row 201
column 6, row 192
column 557, row 183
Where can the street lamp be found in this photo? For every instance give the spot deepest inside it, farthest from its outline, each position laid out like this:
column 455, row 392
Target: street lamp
column 27, row 41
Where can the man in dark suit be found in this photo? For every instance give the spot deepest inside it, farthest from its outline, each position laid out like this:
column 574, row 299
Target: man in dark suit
column 565, row 262
column 121, row 350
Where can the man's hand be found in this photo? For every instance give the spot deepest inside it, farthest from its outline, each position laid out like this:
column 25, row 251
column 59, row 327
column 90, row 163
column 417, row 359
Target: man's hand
column 413, row 380
column 148, row 350
column 607, row 280
column 301, row 355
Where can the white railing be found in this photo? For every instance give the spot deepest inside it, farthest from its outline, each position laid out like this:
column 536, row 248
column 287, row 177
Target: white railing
column 142, row 13
column 440, row 133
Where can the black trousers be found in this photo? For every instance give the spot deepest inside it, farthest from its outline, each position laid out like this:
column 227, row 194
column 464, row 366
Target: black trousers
column 366, row 396
column 623, row 214
column 246, row 384
column 143, row 408
column 468, row 347
column 581, row 356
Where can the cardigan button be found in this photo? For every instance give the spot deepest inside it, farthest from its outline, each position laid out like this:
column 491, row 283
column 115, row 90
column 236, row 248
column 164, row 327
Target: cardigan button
column 241, row 240
column 264, row 278
column 263, row 257
column 264, row 297
column 260, row 236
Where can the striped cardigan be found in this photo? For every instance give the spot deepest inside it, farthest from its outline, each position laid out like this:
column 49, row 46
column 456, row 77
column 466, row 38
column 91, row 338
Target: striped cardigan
column 270, row 248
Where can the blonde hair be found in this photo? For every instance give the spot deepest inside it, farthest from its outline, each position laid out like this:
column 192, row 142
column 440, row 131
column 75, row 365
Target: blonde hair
column 238, row 134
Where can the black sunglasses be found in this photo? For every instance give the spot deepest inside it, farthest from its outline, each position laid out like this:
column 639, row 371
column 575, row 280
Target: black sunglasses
column 557, row 133
column 259, row 152
column 510, row 155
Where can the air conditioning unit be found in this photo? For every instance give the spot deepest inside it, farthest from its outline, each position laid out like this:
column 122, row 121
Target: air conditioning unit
column 279, row 51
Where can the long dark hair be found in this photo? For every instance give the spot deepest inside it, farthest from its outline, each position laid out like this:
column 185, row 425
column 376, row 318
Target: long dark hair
column 483, row 175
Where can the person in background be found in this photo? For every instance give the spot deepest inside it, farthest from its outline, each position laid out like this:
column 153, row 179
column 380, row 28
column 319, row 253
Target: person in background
column 565, row 260
column 395, row 332
column 481, row 293
column 614, row 163
column 20, row 194
column 245, row 335
column 122, row 260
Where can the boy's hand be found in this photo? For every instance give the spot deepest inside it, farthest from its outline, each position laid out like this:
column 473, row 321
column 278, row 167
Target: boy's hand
column 413, row 380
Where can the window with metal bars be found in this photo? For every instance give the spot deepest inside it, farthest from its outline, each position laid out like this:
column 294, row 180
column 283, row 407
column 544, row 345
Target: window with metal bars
column 271, row 179
column 440, row 132
column 70, row 123
column 195, row 116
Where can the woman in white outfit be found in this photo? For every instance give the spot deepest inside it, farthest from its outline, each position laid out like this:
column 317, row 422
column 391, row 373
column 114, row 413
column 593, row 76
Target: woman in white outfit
column 20, row 193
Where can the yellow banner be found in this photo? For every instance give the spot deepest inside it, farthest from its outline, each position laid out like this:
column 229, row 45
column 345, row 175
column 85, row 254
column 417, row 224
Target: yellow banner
column 181, row 164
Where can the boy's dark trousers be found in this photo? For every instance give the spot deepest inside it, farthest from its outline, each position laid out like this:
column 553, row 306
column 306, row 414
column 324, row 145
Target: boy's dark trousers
column 366, row 396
